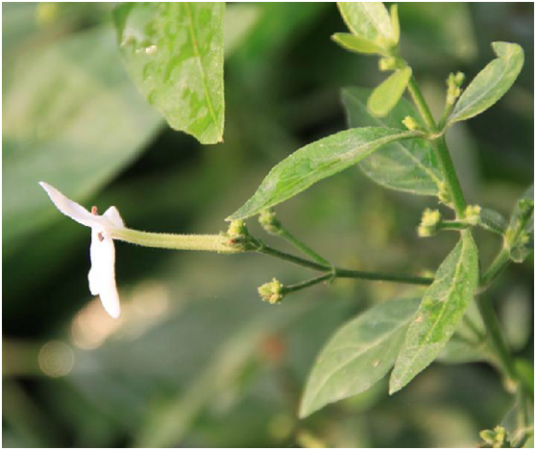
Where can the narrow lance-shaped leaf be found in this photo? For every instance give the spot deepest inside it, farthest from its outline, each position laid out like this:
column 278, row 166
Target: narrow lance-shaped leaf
column 317, row 161
column 410, row 165
column 443, row 306
column 358, row 355
column 491, row 83
column 368, row 20
column 385, row 97
column 174, row 54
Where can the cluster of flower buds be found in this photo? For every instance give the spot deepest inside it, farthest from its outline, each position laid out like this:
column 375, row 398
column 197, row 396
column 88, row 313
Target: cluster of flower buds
column 454, row 90
column 411, row 124
column 430, row 222
column 272, row 292
column 472, row 215
column 269, row 221
column 495, row 438
column 238, row 237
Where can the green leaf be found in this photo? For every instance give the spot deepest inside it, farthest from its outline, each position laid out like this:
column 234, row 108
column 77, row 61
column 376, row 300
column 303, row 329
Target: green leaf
column 368, row 20
column 356, row 44
column 71, row 118
column 385, row 97
column 410, row 165
column 443, row 306
column 520, row 233
column 317, row 161
column 491, row 83
column 174, row 54
column 358, row 355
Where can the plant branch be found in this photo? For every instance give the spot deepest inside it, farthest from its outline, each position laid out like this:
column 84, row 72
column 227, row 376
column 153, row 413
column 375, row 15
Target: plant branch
column 336, row 272
column 440, row 146
column 496, row 338
column 304, row 248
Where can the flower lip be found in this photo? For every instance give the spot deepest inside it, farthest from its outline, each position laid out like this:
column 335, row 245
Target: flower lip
column 101, row 276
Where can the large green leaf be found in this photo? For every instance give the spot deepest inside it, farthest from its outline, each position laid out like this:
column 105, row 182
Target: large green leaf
column 174, row 54
column 385, row 97
column 369, row 21
column 358, row 355
column 317, row 161
column 409, row 165
column 71, row 118
column 443, row 306
column 491, row 83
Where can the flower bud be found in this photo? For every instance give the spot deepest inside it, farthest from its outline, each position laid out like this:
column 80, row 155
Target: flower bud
column 387, row 63
column 269, row 221
column 272, row 292
column 411, row 123
column 472, row 214
column 454, row 83
column 444, row 194
column 429, row 223
column 495, row 438
column 238, row 237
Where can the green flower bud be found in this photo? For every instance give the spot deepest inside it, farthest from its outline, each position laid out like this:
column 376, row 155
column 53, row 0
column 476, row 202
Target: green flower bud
column 387, row 63
column 472, row 214
column 238, row 237
column 454, row 83
column 444, row 194
column 269, row 222
column 272, row 292
column 411, row 123
column 429, row 223
column 495, row 438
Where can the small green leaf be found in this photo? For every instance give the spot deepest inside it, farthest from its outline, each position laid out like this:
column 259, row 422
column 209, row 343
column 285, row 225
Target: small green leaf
column 493, row 221
column 174, row 54
column 395, row 23
column 356, row 44
column 358, row 355
column 408, row 165
column 443, row 306
column 385, row 97
column 520, row 233
column 491, row 83
column 368, row 20
column 317, row 161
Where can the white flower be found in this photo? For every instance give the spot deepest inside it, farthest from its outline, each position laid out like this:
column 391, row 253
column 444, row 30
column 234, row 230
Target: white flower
column 102, row 251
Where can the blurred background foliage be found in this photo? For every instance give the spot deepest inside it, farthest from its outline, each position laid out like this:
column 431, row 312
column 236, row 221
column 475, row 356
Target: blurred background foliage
column 197, row 359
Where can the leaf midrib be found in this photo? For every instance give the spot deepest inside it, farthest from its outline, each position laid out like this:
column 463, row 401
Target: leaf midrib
column 441, row 313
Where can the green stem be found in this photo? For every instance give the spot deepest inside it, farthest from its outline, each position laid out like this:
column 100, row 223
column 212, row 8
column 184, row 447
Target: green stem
column 496, row 338
column 306, row 284
column 336, row 272
column 421, row 105
column 440, row 146
column 497, row 266
column 451, row 178
column 304, row 248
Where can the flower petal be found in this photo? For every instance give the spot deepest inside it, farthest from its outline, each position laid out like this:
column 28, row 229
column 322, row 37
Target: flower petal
column 113, row 216
column 102, row 273
column 70, row 208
